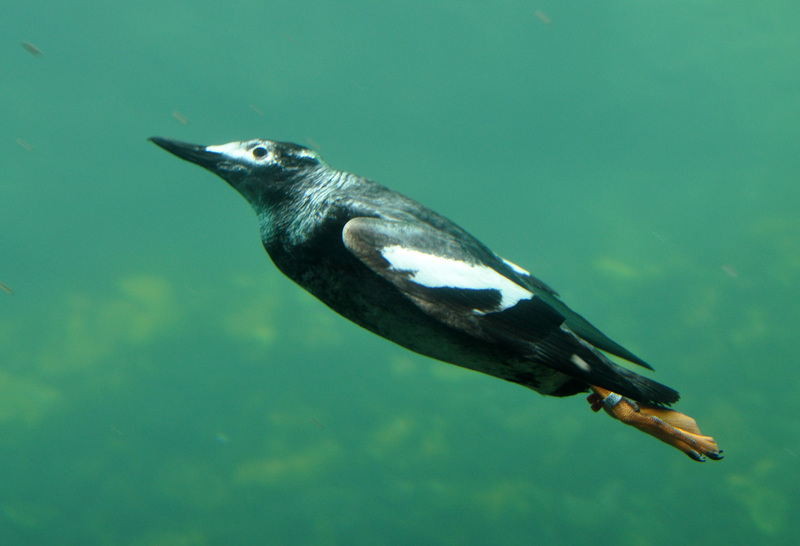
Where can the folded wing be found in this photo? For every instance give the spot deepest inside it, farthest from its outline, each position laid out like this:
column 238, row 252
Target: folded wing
column 453, row 282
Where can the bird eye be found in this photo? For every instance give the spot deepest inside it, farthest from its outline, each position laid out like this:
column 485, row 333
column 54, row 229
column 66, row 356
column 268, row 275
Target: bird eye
column 259, row 152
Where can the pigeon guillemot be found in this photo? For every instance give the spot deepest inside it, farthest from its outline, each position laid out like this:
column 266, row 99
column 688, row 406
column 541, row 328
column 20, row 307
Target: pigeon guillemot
column 410, row 275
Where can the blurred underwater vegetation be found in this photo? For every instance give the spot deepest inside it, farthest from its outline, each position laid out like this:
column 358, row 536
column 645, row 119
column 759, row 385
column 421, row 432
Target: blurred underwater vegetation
column 199, row 399
column 162, row 384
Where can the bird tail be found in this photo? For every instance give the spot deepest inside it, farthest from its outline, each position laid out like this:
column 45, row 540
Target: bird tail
column 593, row 367
column 645, row 389
column 610, row 375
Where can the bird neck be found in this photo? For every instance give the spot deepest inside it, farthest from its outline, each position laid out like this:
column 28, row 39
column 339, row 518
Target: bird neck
column 313, row 199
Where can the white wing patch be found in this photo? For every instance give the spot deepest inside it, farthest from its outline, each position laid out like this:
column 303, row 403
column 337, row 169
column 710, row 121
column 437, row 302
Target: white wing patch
column 581, row 363
column 439, row 272
column 515, row 267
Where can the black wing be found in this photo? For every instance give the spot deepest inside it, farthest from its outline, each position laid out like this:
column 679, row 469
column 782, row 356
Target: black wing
column 579, row 325
column 445, row 277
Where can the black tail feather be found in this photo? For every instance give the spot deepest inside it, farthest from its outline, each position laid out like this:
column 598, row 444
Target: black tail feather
column 569, row 354
column 649, row 391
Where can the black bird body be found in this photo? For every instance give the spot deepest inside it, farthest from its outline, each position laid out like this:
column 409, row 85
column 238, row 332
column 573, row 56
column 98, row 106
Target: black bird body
column 404, row 272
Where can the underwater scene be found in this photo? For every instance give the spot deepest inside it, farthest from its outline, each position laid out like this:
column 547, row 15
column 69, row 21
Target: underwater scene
column 162, row 383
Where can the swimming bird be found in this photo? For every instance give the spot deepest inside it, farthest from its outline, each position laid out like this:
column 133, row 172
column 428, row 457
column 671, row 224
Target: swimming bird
column 410, row 275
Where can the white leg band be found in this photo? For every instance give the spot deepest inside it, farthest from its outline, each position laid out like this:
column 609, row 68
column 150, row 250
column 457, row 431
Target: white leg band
column 611, row 400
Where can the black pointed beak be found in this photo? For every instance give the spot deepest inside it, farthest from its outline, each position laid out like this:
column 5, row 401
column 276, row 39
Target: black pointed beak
column 190, row 152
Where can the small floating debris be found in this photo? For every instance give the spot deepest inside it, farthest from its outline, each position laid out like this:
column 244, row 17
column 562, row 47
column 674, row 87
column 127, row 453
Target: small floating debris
column 256, row 109
column 317, row 423
column 25, row 145
column 6, row 289
column 313, row 143
column 730, row 271
column 542, row 17
column 32, row 49
column 180, row 117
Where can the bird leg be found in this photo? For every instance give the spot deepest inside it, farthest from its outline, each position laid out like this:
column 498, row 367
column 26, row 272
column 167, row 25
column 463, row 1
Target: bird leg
column 669, row 426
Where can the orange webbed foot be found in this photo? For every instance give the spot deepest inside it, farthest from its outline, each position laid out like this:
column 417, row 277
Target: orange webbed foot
column 669, row 426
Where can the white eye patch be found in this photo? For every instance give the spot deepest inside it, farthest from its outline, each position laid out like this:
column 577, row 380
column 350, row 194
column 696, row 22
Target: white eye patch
column 242, row 151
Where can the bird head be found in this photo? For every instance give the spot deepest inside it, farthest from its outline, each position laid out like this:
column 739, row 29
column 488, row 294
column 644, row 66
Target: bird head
column 263, row 171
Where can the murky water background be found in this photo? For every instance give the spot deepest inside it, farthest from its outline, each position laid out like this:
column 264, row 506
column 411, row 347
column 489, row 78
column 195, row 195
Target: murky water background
column 162, row 384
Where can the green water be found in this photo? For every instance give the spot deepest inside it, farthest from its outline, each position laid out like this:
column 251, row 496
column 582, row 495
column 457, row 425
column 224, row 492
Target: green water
column 162, row 384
